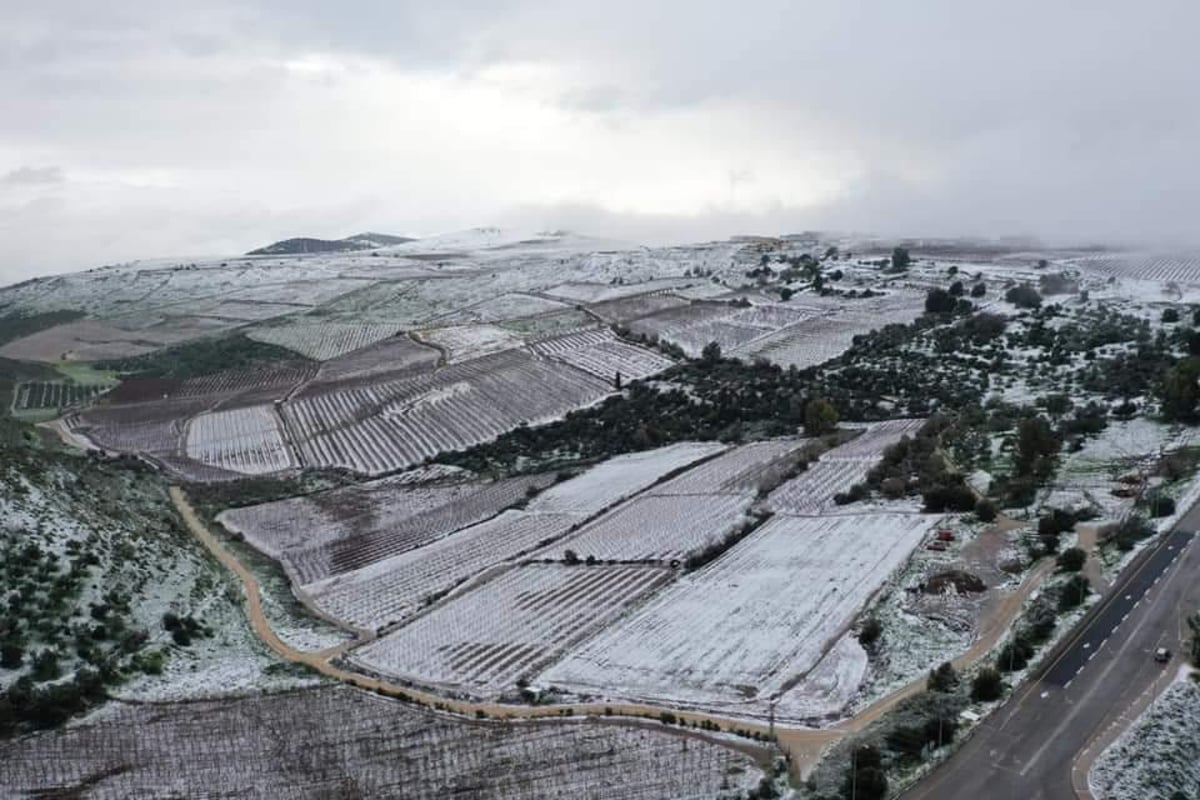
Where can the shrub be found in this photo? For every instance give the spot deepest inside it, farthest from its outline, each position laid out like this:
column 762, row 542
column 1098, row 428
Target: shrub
column 1072, row 593
column 12, row 655
column 939, row 301
column 1072, row 559
column 865, row 777
column 949, row 497
column 820, row 417
column 870, row 631
column 986, row 510
column 1158, row 504
column 987, row 686
column 1023, row 296
column 1014, row 655
column 858, row 492
column 979, row 290
column 1129, row 532
column 942, row 679
column 1170, row 315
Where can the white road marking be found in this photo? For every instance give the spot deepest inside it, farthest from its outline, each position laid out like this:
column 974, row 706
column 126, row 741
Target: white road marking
column 1045, row 695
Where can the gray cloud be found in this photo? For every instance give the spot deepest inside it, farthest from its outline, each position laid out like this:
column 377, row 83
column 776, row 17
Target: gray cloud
column 935, row 118
column 33, row 176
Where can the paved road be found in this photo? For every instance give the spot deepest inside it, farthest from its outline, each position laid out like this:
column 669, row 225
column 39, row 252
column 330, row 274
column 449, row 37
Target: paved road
column 1028, row 749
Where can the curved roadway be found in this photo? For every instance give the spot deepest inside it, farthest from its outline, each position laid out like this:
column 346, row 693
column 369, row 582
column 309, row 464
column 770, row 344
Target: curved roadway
column 1043, row 741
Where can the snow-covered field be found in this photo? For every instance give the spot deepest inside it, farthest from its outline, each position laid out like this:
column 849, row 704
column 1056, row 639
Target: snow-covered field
column 394, row 424
column 1179, row 268
column 740, row 471
column 322, row 341
column 812, row 491
column 505, row 307
column 1158, row 758
column 618, row 478
column 464, row 342
column 246, row 440
column 744, row 628
column 658, row 528
column 393, row 589
column 509, row 627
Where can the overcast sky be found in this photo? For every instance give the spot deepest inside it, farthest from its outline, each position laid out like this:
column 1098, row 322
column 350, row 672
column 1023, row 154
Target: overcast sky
column 141, row 128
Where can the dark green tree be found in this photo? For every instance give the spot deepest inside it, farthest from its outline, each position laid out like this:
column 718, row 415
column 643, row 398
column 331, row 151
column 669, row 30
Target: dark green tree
column 939, row 301
column 942, row 679
column 987, row 685
column 865, row 778
column 1072, row 559
column 820, row 417
column 1180, row 391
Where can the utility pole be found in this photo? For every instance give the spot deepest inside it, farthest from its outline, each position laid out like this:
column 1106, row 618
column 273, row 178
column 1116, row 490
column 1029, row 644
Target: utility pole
column 854, row 774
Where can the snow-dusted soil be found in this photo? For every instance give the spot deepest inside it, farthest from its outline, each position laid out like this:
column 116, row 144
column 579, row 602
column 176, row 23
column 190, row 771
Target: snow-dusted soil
column 508, row 628
column 1158, row 758
column 381, row 360
column 85, row 340
column 246, row 440
column 752, row 623
column 345, row 529
column 339, row 742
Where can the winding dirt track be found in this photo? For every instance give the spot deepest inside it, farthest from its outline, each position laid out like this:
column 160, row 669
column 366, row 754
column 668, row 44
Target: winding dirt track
column 803, row 745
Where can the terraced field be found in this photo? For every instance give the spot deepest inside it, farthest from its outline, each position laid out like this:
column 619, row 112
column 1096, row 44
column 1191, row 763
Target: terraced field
column 394, row 424
column 659, row 528
column 619, row 478
column 393, row 589
column 53, row 395
column 322, row 341
column 338, row 742
column 742, row 627
column 811, row 492
column 247, row 440
column 510, row 627
column 343, row 530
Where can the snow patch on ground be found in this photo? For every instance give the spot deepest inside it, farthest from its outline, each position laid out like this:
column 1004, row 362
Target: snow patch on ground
column 1158, row 755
